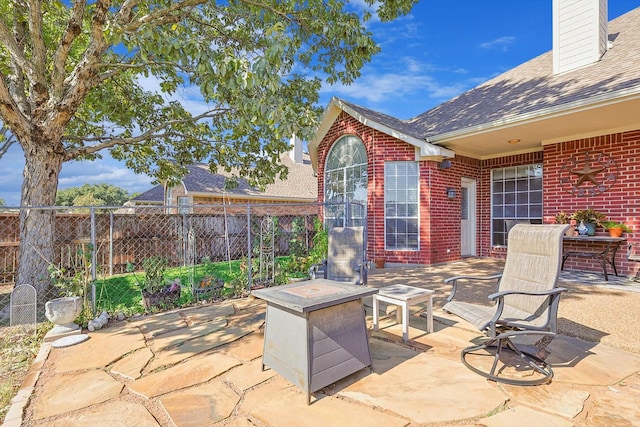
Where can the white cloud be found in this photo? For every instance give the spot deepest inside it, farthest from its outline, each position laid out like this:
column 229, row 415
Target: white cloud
column 413, row 80
column 501, row 43
column 189, row 96
column 107, row 171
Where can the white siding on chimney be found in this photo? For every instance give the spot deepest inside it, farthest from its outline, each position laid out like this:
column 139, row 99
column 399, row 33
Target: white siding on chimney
column 579, row 33
column 296, row 153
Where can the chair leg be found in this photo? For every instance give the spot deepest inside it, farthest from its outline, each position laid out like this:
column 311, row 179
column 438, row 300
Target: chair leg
column 500, row 343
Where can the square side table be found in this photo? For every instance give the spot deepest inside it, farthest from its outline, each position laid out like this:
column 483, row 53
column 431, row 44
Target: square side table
column 403, row 296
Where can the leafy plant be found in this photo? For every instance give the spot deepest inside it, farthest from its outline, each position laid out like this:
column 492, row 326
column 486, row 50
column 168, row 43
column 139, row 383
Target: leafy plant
column 589, row 216
column 613, row 224
column 76, row 280
column 154, row 269
column 562, row 218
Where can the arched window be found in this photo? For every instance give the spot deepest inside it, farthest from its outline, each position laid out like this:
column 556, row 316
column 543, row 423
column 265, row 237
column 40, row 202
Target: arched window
column 345, row 179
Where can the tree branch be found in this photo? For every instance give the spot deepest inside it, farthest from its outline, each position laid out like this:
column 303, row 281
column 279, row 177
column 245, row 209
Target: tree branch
column 82, row 78
column 74, row 28
column 161, row 15
column 160, row 131
column 38, row 79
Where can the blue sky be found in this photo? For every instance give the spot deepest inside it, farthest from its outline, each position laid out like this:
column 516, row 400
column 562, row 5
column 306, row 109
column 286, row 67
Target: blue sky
column 440, row 50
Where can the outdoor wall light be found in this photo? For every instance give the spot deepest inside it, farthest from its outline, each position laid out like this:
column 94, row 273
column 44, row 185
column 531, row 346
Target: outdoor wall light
column 451, row 193
column 445, row 164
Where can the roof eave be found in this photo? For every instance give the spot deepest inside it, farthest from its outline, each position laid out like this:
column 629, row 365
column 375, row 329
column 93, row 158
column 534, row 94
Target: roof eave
column 604, row 99
column 331, row 113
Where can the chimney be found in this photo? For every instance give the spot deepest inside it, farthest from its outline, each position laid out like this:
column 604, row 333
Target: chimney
column 579, row 33
column 296, row 152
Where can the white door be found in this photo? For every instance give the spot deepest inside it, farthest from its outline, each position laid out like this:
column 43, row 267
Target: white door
column 468, row 218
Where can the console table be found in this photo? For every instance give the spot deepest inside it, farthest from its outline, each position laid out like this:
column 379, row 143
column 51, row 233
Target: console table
column 315, row 332
column 601, row 248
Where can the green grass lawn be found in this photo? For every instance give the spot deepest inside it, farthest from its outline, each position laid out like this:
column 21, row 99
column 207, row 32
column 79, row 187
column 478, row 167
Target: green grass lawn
column 122, row 293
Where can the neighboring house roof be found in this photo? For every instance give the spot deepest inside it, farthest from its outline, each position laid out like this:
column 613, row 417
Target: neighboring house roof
column 528, row 103
column 301, row 184
column 155, row 195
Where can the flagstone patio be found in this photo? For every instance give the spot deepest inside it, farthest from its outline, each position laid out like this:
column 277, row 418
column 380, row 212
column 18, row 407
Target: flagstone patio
column 202, row 366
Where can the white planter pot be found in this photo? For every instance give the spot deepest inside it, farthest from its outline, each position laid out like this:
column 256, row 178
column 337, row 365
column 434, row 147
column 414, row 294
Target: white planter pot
column 62, row 312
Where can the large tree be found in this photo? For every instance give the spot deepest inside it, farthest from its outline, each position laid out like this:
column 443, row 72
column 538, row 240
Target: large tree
column 76, row 80
column 92, row 195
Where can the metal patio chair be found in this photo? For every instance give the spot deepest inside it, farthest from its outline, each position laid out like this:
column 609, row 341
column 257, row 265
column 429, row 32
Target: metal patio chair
column 345, row 258
column 633, row 254
column 524, row 316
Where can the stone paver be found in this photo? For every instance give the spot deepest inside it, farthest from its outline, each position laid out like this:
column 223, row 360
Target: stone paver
column 207, row 313
column 193, row 347
column 424, row 388
column 522, row 416
column 249, row 375
column 104, row 347
column 278, row 403
column 160, row 324
column 194, row 371
column 599, row 364
column 202, row 405
column 132, row 364
column 246, row 349
column 117, row 413
column 557, row 398
column 74, row 390
column 182, row 335
column 618, row 406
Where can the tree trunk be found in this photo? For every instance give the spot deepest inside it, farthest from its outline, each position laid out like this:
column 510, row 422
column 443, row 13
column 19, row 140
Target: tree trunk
column 39, row 186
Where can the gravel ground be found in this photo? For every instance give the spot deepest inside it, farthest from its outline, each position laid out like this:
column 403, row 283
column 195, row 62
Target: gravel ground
column 591, row 309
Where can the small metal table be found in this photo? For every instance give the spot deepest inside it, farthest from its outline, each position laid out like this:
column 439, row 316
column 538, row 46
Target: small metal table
column 403, row 296
column 315, row 332
column 605, row 253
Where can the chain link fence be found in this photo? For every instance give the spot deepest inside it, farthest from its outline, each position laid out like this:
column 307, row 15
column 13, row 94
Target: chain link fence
column 202, row 252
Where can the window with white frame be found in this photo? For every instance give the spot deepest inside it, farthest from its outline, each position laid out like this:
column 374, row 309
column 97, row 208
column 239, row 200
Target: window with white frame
column 516, row 196
column 401, row 204
column 345, row 179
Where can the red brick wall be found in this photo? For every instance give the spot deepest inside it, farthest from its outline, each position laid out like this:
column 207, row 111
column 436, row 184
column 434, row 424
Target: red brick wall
column 440, row 216
column 621, row 202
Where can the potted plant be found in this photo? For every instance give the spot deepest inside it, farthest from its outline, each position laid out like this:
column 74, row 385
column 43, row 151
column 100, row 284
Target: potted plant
column 565, row 218
column 73, row 302
column 154, row 288
column 616, row 228
column 588, row 219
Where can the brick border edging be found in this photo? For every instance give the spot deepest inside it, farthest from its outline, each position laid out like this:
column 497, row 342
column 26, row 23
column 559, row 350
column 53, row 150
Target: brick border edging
column 22, row 398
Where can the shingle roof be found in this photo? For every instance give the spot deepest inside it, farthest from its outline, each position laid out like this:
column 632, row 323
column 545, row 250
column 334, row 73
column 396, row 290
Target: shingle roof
column 301, row 184
column 531, row 88
column 156, row 194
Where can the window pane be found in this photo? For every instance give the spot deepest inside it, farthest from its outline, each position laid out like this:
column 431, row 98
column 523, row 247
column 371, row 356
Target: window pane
column 516, row 193
column 346, row 179
column 401, row 205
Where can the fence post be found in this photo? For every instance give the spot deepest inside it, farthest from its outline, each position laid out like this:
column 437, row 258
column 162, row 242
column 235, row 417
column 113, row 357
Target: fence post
column 94, row 259
column 249, row 247
column 110, row 243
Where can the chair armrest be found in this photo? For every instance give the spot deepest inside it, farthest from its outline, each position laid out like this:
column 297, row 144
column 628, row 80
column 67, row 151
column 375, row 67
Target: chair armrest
column 363, row 274
column 548, row 292
column 318, row 268
column 454, row 282
column 499, row 296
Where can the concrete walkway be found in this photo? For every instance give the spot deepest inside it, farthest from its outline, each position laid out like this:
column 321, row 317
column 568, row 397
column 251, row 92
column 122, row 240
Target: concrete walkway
column 202, row 366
